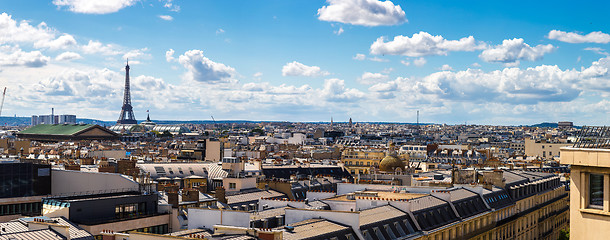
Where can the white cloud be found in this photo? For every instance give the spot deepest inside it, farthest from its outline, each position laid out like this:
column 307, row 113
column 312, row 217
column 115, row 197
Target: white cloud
column 420, row 62
column 136, row 53
column 220, row 31
column 368, row 78
column 67, row 56
column 335, row 90
column 169, row 55
column 94, row 7
column 572, row 37
column 339, row 31
column 298, row 69
column 257, row 75
column 423, row 44
column 172, row 7
column 359, row 57
column 378, row 59
column 202, row 69
column 405, row 62
column 513, row 50
column 597, row 50
column 362, row 12
column 95, row 47
column 446, row 67
column 40, row 36
column 62, row 42
column 14, row 56
column 477, row 65
column 166, row 17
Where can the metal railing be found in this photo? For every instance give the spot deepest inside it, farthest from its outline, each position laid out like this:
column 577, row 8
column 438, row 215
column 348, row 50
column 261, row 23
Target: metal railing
column 593, row 137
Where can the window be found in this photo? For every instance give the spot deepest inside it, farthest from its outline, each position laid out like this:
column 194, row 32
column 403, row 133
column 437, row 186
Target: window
column 596, row 191
column 232, row 185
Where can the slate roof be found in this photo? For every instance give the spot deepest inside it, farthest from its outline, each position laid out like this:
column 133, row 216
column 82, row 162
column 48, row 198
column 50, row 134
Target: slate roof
column 425, row 202
column 162, row 170
column 379, row 214
column 18, row 229
column 268, row 213
column 186, row 233
column 254, row 196
column 386, row 222
column 431, row 212
column 42, row 234
column 318, row 229
column 497, row 198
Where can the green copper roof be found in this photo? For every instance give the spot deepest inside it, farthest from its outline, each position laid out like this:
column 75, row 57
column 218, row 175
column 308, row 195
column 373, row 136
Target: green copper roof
column 56, row 129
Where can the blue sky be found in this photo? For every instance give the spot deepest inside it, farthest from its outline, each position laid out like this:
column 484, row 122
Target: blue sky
column 480, row 62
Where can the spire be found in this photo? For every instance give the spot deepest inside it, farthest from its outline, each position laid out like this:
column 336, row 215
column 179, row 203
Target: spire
column 127, row 116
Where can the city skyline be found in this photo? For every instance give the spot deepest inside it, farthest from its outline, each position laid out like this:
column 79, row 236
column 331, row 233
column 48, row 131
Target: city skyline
column 373, row 61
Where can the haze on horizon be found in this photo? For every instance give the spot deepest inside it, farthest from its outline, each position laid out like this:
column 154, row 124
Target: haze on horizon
column 478, row 62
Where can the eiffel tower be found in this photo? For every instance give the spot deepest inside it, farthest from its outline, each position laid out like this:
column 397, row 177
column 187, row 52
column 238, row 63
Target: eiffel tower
column 127, row 116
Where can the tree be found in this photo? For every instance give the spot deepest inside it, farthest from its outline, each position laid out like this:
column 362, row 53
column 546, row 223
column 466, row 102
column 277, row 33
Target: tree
column 564, row 234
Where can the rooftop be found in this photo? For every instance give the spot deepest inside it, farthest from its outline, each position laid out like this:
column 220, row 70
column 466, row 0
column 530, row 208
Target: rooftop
column 57, row 129
column 380, row 194
column 314, row 228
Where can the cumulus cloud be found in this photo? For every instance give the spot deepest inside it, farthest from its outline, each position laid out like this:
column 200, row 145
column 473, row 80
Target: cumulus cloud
column 446, row 67
column 40, row 36
column 14, row 56
column 335, row 90
column 169, row 55
column 257, row 75
column 62, row 42
column 368, row 78
column 511, row 51
column 572, row 37
column 95, row 47
column 420, row 62
column 202, row 69
column 359, row 57
column 136, row 53
column 362, row 12
column 94, row 7
column 67, row 56
column 423, row 44
column 298, row 69
column 166, row 17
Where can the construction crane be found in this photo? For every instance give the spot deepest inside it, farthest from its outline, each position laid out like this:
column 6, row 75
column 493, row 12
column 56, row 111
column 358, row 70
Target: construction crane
column 2, row 104
column 214, row 122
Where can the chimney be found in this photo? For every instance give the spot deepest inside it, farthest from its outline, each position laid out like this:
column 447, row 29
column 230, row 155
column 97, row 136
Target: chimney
column 220, row 195
column 488, row 186
column 172, row 198
column 190, row 195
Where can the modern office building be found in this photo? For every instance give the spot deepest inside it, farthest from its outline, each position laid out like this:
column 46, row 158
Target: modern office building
column 53, row 119
column 22, row 187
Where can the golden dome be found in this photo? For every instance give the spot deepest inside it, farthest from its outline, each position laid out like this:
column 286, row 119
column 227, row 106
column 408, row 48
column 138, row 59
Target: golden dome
column 390, row 163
